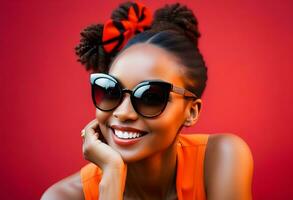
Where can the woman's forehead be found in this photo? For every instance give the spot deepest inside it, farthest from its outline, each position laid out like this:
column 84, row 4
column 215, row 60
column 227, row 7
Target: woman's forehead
column 146, row 62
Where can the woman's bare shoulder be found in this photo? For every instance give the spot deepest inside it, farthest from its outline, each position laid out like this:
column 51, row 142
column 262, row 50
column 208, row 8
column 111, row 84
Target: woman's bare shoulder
column 228, row 167
column 69, row 188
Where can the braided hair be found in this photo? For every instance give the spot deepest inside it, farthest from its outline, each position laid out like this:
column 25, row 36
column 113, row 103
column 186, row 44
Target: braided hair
column 174, row 28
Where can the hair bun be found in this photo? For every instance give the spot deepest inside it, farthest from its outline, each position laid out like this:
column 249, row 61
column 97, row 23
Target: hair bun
column 88, row 50
column 176, row 17
column 100, row 43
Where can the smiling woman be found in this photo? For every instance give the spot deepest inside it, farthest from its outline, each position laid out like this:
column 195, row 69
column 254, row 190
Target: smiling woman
column 147, row 80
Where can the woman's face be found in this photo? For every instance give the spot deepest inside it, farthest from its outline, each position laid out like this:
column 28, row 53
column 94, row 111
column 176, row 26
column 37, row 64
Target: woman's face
column 138, row 63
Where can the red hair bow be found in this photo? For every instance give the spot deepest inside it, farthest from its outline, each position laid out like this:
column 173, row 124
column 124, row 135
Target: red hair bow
column 117, row 33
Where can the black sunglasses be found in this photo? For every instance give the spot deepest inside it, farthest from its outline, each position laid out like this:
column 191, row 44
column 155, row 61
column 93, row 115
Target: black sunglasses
column 149, row 98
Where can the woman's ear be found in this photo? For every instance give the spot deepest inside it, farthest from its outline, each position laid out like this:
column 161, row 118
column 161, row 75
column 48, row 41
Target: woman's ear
column 193, row 110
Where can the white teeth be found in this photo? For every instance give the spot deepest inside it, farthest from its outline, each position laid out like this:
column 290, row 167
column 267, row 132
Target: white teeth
column 126, row 135
column 119, row 134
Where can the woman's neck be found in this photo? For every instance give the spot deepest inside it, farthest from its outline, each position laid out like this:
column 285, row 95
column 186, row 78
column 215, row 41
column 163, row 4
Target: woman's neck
column 155, row 175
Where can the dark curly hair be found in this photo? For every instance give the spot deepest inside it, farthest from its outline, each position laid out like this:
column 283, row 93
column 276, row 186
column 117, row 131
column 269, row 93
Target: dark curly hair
column 174, row 28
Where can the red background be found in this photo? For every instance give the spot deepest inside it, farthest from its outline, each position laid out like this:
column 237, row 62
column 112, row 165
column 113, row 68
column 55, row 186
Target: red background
column 45, row 96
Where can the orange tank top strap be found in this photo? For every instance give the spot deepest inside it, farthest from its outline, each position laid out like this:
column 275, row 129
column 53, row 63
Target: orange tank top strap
column 190, row 166
column 90, row 178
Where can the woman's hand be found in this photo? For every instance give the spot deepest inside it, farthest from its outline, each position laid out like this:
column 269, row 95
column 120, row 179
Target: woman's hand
column 96, row 150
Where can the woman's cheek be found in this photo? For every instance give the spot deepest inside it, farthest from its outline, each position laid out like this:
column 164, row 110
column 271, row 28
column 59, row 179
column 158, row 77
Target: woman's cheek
column 102, row 116
column 171, row 120
column 163, row 123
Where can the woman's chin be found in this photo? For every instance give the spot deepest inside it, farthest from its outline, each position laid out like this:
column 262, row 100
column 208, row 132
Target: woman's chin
column 128, row 155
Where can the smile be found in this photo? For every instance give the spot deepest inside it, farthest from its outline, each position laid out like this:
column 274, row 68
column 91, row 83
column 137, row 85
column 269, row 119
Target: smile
column 127, row 134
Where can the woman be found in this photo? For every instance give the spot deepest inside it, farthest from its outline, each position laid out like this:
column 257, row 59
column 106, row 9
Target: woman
column 147, row 82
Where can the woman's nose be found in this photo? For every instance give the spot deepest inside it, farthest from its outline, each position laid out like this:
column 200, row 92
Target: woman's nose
column 125, row 110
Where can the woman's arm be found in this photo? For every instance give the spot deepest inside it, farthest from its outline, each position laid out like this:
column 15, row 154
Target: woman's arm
column 95, row 150
column 112, row 183
column 228, row 168
column 69, row 188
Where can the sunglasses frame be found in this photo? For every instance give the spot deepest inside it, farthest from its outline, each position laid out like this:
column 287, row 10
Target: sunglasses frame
column 168, row 86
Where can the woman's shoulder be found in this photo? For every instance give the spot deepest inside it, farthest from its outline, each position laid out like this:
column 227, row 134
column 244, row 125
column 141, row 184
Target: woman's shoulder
column 69, row 188
column 227, row 144
column 228, row 164
column 218, row 145
column 226, row 149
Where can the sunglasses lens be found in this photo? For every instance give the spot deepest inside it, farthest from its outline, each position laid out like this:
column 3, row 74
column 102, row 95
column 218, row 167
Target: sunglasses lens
column 150, row 100
column 106, row 94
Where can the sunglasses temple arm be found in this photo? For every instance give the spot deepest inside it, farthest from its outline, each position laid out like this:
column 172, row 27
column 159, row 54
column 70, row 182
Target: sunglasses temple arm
column 182, row 91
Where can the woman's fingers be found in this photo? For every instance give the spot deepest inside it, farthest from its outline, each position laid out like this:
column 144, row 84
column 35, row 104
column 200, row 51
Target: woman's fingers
column 90, row 136
column 97, row 151
column 91, row 131
column 92, row 127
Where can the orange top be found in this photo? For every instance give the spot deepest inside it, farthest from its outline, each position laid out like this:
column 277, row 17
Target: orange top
column 190, row 174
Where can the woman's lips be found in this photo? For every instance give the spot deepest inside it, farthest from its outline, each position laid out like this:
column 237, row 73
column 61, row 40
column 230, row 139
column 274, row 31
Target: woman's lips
column 126, row 138
column 126, row 128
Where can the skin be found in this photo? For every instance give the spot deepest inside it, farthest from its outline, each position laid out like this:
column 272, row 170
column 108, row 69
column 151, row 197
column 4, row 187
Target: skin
column 150, row 166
